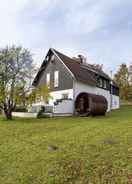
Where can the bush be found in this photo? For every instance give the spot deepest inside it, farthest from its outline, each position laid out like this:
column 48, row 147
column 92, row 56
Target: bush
column 44, row 115
column 21, row 109
column 44, row 112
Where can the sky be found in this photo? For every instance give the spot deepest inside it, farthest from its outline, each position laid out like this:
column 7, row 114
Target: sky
column 101, row 30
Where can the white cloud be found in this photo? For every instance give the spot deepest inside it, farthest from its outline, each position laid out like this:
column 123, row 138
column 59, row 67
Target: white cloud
column 98, row 29
column 8, row 14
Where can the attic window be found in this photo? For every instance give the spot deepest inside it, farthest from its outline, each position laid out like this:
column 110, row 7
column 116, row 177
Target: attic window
column 48, row 79
column 56, row 78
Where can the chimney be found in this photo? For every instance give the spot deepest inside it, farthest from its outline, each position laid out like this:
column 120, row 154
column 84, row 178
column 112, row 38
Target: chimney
column 82, row 59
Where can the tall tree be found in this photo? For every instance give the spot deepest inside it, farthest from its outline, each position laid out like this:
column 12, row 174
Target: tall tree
column 16, row 64
column 122, row 79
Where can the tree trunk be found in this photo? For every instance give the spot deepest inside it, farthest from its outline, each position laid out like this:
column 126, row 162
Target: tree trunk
column 8, row 115
column 8, row 107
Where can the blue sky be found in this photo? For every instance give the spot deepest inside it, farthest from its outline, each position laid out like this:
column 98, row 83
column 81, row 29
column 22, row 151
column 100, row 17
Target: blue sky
column 101, row 30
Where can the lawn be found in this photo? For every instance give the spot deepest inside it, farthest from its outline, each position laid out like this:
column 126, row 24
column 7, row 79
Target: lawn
column 67, row 150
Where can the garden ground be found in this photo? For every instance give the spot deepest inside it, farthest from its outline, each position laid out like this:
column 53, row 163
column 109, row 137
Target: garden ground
column 75, row 150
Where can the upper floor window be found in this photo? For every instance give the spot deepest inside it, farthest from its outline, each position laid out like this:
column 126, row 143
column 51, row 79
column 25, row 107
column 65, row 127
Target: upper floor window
column 100, row 82
column 52, row 57
column 56, row 78
column 47, row 58
column 48, row 79
column 105, row 84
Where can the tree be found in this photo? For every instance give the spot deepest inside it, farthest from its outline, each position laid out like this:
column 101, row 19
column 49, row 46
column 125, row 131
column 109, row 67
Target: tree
column 122, row 78
column 41, row 93
column 16, row 64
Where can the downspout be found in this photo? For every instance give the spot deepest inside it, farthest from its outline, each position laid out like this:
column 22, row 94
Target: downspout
column 111, row 98
column 74, row 95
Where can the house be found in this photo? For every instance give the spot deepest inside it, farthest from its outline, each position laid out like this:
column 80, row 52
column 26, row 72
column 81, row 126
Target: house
column 71, row 79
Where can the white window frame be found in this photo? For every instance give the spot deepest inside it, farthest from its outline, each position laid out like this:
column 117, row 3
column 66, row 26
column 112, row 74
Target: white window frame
column 53, row 57
column 100, row 82
column 48, row 79
column 105, row 84
column 56, row 78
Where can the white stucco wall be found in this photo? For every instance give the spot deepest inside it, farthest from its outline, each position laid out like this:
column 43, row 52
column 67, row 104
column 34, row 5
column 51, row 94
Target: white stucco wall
column 115, row 102
column 81, row 87
column 24, row 114
column 65, row 107
column 58, row 95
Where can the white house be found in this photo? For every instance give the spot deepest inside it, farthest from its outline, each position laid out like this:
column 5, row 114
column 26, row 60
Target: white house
column 70, row 77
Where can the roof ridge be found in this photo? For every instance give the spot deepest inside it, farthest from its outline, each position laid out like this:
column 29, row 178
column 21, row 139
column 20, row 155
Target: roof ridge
column 65, row 55
column 90, row 67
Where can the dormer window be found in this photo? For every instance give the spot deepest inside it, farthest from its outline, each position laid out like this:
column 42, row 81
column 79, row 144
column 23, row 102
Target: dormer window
column 56, row 79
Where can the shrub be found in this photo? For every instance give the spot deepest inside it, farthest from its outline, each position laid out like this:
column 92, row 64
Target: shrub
column 21, row 109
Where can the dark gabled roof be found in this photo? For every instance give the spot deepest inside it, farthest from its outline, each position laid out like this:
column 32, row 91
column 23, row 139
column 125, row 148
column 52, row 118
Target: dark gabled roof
column 80, row 74
column 85, row 73
column 96, row 70
column 41, row 69
column 78, row 68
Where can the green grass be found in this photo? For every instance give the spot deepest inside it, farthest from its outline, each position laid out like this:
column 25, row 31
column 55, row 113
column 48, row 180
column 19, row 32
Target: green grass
column 89, row 150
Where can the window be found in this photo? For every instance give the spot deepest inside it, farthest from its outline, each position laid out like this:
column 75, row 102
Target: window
column 105, row 84
column 65, row 96
column 100, row 82
column 56, row 78
column 48, row 79
column 47, row 58
column 52, row 58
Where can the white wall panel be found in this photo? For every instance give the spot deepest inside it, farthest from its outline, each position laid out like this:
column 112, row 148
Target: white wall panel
column 80, row 87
